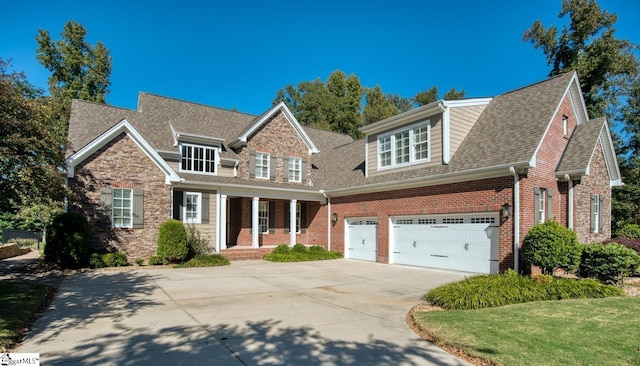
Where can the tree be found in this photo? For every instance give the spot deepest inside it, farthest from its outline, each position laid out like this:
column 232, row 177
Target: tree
column 32, row 148
column 378, row 106
column 453, row 94
column 79, row 71
column 604, row 63
column 334, row 106
column 431, row 95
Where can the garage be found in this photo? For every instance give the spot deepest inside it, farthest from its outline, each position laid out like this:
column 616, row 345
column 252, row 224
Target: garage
column 466, row 242
column 362, row 239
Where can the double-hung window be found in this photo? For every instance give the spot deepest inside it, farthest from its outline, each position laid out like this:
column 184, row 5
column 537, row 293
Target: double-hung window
column 263, row 217
column 405, row 146
column 541, row 209
column 262, row 165
column 295, row 169
column 122, row 207
column 192, row 206
column 199, row 159
column 596, row 213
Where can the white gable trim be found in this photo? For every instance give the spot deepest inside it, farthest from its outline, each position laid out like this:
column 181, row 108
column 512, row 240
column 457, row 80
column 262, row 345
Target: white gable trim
column 242, row 140
column 120, row 127
column 610, row 157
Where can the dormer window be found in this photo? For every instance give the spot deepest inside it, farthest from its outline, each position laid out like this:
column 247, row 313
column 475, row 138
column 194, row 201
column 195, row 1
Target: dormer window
column 198, row 159
column 405, row 146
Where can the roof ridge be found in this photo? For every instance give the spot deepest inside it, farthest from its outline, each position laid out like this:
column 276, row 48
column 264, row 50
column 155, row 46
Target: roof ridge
column 539, row 82
column 329, row 131
column 195, row 103
column 102, row 104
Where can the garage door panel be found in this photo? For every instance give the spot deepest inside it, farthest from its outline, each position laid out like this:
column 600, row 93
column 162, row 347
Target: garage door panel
column 362, row 240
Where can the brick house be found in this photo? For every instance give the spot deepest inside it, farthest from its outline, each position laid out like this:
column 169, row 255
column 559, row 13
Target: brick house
column 452, row 184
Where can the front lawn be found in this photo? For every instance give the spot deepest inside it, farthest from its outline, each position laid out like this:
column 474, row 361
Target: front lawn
column 19, row 302
column 568, row 332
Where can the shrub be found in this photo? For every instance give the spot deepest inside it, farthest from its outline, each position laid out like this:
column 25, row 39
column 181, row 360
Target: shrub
column 551, row 246
column 633, row 244
column 96, row 261
column 510, row 288
column 206, row 260
column 155, row 260
column 172, row 242
column 102, row 260
column 282, row 249
column 299, row 248
column 68, row 241
column 316, row 249
column 609, row 263
column 197, row 243
column 139, row 261
column 629, row 231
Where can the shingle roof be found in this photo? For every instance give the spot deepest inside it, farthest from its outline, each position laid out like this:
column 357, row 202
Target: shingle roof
column 581, row 146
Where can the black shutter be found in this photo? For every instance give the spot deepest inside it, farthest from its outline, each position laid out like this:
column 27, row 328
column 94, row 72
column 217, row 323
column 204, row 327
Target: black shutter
column 272, row 217
column 205, row 208
column 138, row 208
column 303, row 218
column 252, row 164
column 178, row 201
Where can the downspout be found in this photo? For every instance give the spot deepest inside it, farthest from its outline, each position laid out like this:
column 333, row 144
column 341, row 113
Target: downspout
column 516, row 219
column 446, row 125
column 570, row 199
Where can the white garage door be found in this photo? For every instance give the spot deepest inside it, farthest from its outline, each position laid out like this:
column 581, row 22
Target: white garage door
column 463, row 243
column 362, row 239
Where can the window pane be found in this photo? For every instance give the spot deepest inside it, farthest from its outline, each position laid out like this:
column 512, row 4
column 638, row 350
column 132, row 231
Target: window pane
column 262, row 165
column 122, row 207
column 384, row 151
column 295, row 169
column 421, row 142
column 402, row 147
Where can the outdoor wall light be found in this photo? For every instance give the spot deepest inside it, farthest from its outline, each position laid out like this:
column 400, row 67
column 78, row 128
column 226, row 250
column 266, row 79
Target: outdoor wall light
column 506, row 210
column 334, row 217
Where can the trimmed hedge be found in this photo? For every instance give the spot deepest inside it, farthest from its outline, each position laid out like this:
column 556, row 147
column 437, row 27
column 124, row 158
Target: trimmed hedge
column 102, row 260
column 608, row 263
column 68, row 241
column 551, row 246
column 511, row 288
column 172, row 242
column 204, row 260
column 300, row 253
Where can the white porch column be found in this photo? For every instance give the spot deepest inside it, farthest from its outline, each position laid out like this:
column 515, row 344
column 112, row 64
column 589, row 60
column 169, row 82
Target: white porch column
column 570, row 208
column 222, row 223
column 255, row 223
column 292, row 223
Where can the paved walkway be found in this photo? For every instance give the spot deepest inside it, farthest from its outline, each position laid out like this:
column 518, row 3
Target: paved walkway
column 337, row 312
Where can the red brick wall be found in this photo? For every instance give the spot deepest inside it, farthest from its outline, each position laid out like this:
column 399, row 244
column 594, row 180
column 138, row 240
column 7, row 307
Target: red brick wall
column 476, row 196
column 597, row 182
column 121, row 163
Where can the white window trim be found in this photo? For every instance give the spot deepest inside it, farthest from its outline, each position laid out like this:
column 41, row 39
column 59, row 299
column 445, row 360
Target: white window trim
column 113, row 208
column 412, row 160
column 268, row 165
column 541, row 215
column 264, row 211
column 293, row 159
column 216, row 158
column 596, row 213
column 198, row 218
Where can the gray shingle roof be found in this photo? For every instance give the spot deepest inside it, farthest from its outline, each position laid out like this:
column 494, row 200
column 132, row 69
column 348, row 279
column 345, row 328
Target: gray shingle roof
column 581, row 146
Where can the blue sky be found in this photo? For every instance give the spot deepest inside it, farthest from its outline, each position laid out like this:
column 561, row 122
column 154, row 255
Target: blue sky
column 240, row 53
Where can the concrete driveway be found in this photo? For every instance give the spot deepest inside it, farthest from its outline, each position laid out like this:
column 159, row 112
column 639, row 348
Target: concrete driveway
column 337, row 312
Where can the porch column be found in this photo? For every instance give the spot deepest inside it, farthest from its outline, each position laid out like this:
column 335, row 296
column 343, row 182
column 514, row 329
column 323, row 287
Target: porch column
column 255, row 223
column 292, row 223
column 222, row 223
column 570, row 208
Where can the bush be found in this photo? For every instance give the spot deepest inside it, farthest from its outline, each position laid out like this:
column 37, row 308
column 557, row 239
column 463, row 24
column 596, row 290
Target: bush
column 102, row 260
column 510, row 288
column 139, row 261
column 633, row 244
column 299, row 248
column 629, row 231
column 551, row 246
column 172, row 242
column 316, row 249
column 206, row 260
column 282, row 249
column 609, row 263
column 197, row 243
column 299, row 253
column 68, row 241
column 155, row 260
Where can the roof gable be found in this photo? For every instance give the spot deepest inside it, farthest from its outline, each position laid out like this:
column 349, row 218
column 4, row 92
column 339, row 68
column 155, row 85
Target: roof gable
column 259, row 121
column 123, row 126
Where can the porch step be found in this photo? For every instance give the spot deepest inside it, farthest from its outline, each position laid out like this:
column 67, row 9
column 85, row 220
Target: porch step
column 244, row 253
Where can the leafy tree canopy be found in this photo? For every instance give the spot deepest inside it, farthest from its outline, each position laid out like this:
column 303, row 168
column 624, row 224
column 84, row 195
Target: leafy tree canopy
column 79, row 71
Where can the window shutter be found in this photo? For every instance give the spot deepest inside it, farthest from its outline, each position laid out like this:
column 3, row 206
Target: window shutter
column 303, row 170
column 287, row 219
column 536, row 204
column 285, row 168
column 105, row 197
column 138, row 208
column 272, row 217
column 549, row 204
column 272, row 167
column 205, row 208
column 303, row 218
column 252, row 164
column 600, row 215
column 178, row 199
column 591, row 213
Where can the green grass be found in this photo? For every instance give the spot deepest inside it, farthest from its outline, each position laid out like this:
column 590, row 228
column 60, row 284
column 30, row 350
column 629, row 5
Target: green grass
column 205, row 260
column 568, row 332
column 19, row 302
column 300, row 253
column 510, row 288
